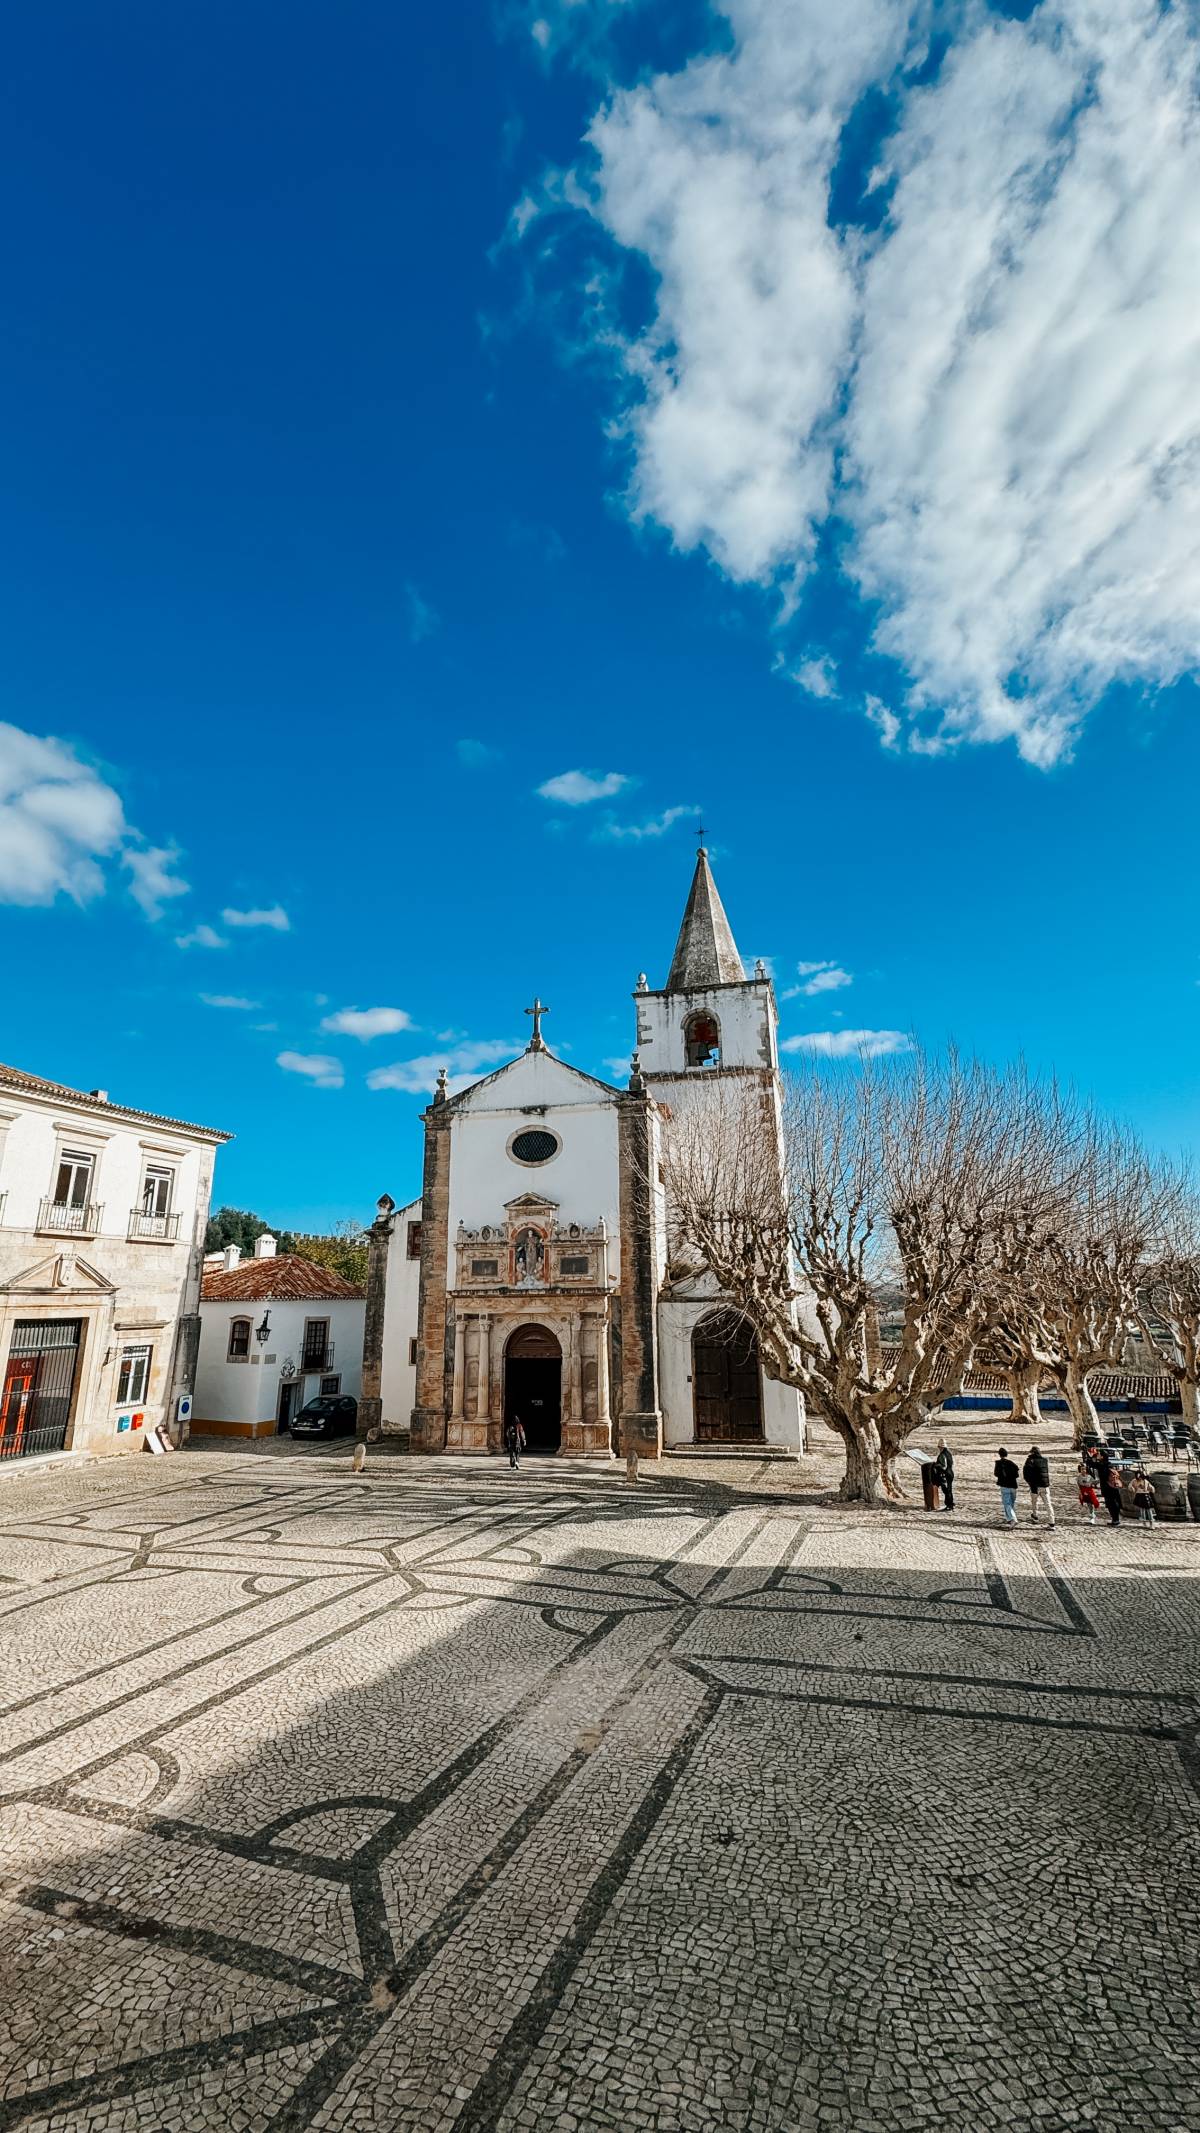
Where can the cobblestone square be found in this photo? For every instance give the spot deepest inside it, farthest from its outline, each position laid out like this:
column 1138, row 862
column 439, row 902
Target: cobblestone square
column 449, row 1797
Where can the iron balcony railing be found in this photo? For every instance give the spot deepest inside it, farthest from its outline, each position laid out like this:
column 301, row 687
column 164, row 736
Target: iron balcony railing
column 314, row 1358
column 69, row 1220
column 152, row 1229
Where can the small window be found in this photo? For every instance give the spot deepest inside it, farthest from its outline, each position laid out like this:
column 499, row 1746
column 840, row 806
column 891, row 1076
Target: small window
column 414, row 1240
column 576, row 1263
column 156, row 1192
column 133, row 1375
column 315, row 1351
column 534, row 1145
column 333, row 1384
column 482, row 1268
column 73, row 1185
column 239, row 1339
column 412, row 1351
column 702, row 1040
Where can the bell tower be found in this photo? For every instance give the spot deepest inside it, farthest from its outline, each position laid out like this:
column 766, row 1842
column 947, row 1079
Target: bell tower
column 710, row 1019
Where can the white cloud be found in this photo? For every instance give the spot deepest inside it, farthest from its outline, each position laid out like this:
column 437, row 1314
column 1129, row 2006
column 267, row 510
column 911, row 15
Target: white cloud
column 201, row 936
column 885, row 722
column 154, row 883
column 367, row 1022
column 463, row 1063
column 540, row 32
column 818, row 977
column 578, row 788
column 618, row 1065
column 657, row 826
column 817, row 677
column 275, row 918
column 475, row 755
column 996, row 390
column 321, row 1070
column 59, row 821
column 423, row 620
column 229, row 999
column 848, row 1043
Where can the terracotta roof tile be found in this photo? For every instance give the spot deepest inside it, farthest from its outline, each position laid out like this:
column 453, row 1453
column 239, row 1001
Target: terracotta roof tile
column 16, row 1078
column 285, row 1279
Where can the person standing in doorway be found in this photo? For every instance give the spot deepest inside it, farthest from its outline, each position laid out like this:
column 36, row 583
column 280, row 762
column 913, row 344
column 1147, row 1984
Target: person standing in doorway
column 1037, row 1477
column 1007, row 1476
column 944, row 1465
column 514, row 1439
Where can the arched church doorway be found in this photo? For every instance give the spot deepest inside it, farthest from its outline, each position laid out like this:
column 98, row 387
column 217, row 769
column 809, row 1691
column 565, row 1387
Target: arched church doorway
column 726, row 1382
column 533, row 1386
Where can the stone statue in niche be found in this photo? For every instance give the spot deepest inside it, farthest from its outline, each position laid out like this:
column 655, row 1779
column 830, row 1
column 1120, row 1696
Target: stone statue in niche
column 529, row 1259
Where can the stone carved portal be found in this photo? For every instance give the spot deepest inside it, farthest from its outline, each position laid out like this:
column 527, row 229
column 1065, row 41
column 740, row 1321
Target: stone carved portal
column 533, row 1386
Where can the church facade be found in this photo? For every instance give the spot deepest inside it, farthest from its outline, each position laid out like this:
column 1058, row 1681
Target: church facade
column 532, row 1277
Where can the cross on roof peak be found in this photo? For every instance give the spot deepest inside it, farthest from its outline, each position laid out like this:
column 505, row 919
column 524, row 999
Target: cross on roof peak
column 537, row 1042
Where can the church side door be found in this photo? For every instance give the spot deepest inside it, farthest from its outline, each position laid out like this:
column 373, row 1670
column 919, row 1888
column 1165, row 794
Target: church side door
column 726, row 1386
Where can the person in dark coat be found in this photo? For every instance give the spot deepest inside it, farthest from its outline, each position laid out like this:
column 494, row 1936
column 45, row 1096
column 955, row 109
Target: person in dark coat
column 1007, row 1474
column 944, row 1468
column 1037, row 1478
column 514, row 1439
column 1110, row 1489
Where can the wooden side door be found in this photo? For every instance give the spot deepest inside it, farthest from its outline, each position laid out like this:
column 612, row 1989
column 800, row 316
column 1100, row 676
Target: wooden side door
column 16, row 1401
column 726, row 1388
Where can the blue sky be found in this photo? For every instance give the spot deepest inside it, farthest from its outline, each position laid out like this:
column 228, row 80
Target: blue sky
column 412, row 409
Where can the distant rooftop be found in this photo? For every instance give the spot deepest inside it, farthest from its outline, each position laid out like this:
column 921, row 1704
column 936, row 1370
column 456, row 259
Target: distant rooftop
column 284, row 1279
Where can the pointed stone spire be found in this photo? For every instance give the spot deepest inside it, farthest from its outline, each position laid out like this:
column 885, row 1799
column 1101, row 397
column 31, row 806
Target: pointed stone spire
column 705, row 953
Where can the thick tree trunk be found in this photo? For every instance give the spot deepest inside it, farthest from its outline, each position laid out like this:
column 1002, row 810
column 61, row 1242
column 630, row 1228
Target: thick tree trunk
column 894, row 1433
column 1084, row 1418
column 1023, row 1385
column 862, row 1481
column 1189, row 1393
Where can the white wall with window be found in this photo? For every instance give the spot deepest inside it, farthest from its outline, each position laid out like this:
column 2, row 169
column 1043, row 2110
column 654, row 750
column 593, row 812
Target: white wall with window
column 102, row 1216
column 263, row 1355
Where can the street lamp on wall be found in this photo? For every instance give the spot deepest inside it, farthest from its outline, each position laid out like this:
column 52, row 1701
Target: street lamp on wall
column 262, row 1334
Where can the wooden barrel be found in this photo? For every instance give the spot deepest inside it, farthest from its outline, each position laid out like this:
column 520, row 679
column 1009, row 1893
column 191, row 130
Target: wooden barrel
column 1193, row 1489
column 1170, row 1494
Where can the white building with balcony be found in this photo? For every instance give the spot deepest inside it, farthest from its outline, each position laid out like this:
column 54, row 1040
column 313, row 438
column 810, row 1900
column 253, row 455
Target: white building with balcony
column 275, row 1330
column 103, row 1210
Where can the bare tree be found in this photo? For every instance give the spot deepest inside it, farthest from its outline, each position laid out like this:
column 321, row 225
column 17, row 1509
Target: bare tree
column 898, row 1176
column 1169, row 1294
column 1088, row 1268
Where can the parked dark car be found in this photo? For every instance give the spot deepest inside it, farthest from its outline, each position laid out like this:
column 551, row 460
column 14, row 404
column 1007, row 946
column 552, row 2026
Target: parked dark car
column 331, row 1414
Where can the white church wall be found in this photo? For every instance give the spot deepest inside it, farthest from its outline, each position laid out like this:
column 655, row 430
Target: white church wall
column 398, row 1371
column 783, row 1409
column 582, row 1178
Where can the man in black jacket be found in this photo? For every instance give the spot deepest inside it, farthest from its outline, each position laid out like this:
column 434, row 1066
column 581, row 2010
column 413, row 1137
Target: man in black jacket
column 944, row 1468
column 1037, row 1475
column 1007, row 1475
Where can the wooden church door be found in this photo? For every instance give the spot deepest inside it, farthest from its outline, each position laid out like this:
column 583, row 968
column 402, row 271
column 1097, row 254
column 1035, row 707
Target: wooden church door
column 726, row 1384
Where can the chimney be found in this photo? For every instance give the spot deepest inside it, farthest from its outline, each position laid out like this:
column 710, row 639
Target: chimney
column 231, row 1257
column 99, row 1096
column 264, row 1246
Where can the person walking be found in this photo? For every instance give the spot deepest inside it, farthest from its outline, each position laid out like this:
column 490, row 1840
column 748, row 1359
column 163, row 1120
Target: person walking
column 1007, row 1476
column 1089, row 1494
column 1110, row 1489
column 1143, row 1496
column 514, row 1439
column 1037, row 1476
column 944, row 1466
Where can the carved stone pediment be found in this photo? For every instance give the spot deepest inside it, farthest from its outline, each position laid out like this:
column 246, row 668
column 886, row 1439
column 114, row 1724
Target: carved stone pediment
column 59, row 1272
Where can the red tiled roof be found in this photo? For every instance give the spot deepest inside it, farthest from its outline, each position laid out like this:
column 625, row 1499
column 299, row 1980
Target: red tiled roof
column 1129, row 1384
column 285, row 1279
column 17, row 1078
